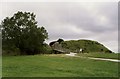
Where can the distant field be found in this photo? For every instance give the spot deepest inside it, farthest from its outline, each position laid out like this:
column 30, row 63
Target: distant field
column 57, row 66
column 100, row 55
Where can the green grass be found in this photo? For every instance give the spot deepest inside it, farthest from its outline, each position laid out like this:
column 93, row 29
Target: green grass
column 88, row 46
column 100, row 55
column 0, row 66
column 57, row 66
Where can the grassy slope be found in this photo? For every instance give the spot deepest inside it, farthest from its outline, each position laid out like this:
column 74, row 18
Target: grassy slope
column 56, row 66
column 88, row 46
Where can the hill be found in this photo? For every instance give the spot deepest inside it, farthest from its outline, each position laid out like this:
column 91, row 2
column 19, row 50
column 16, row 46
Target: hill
column 87, row 46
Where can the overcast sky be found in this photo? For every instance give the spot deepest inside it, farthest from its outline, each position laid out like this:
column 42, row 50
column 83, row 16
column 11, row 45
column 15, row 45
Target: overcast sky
column 73, row 20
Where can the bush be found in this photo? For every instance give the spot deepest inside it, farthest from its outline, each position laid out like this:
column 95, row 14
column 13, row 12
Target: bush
column 14, row 52
column 46, row 49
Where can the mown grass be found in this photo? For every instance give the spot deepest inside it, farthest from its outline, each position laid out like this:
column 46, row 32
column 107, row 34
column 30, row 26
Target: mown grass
column 100, row 55
column 57, row 66
column 0, row 66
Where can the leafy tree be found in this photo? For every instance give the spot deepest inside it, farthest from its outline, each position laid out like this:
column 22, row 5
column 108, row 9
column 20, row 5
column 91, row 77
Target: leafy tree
column 21, row 31
column 51, row 43
column 60, row 40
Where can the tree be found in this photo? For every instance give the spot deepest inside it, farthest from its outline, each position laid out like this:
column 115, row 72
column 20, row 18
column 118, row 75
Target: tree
column 51, row 43
column 21, row 31
column 60, row 40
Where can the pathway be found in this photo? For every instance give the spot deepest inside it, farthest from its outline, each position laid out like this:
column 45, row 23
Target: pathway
column 104, row 59
column 113, row 60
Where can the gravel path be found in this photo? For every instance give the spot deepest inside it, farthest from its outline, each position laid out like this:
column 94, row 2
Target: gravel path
column 104, row 59
column 113, row 60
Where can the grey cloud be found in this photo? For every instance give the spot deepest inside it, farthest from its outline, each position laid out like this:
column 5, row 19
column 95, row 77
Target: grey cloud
column 71, row 20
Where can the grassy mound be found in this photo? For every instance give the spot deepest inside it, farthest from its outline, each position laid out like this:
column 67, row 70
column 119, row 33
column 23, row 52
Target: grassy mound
column 87, row 46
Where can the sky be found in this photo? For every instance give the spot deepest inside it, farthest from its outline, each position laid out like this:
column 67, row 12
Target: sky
column 72, row 20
